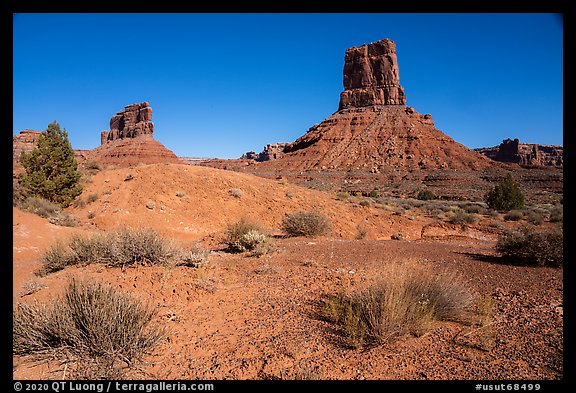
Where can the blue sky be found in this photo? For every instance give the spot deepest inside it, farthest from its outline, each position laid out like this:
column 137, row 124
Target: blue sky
column 223, row 84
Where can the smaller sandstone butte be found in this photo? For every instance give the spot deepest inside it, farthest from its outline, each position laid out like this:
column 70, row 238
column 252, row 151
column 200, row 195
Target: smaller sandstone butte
column 525, row 154
column 130, row 140
column 25, row 141
column 134, row 120
column 371, row 76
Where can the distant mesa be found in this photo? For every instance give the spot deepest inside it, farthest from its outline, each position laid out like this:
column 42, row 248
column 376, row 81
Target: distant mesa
column 525, row 154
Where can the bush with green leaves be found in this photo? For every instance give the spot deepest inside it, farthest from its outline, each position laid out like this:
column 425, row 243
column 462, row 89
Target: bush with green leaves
column 51, row 169
column 535, row 247
column 426, row 195
column 505, row 196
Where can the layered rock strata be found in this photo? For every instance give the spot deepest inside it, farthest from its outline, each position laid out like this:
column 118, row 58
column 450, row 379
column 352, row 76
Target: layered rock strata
column 525, row 154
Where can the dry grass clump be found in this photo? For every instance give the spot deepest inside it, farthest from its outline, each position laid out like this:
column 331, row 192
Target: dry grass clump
column 119, row 248
column 246, row 235
column 533, row 247
column 302, row 223
column 405, row 301
column 91, row 323
column 46, row 209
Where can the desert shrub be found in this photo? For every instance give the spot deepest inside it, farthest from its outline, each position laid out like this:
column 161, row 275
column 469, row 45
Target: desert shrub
column 92, row 198
column 405, row 302
column 128, row 177
column 535, row 217
column 533, row 247
column 91, row 322
column 235, row 192
column 425, row 195
column 513, row 215
column 365, row 202
column 41, row 207
column 93, row 165
column 397, row 236
column 373, row 194
column 46, row 209
column 19, row 193
column 91, row 215
column 342, row 195
column 474, row 208
column 302, row 223
column 51, row 169
column 244, row 235
column 150, row 205
column 557, row 214
column 180, row 194
column 122, row 247
column 461, row 217
column 140, row 245
column 195, row 257
column 505, row 196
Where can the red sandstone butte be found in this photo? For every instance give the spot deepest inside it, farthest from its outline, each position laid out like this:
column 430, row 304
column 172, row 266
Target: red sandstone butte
column 130, row 140
column 371, row 76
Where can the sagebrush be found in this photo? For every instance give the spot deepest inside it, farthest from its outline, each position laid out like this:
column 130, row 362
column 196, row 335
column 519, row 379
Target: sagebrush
column 92, row 323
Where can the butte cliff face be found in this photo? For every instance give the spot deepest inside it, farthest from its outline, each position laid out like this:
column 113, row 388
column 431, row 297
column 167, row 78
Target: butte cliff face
column 371, row 76
column 130, row 140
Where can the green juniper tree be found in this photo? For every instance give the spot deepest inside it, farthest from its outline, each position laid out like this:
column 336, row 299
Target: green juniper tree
column 505, row 196
column 51, row 169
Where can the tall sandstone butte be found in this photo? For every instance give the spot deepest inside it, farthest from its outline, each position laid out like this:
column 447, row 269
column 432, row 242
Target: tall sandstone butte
column 371, row 76
column 374, row 130
column 130, row 140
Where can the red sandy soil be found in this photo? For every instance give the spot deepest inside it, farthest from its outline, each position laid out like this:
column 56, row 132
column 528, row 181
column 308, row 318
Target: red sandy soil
column 240, row 317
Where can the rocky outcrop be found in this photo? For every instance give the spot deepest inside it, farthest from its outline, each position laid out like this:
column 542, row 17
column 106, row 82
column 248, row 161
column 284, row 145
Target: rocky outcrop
column 130, row 140
column 134, row 120
column 25, row 141
column 526, row 154
column 271, row 151
column 371, row 76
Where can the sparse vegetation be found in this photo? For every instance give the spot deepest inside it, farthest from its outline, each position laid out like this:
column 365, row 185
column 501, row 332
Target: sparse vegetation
column 513, row 215
column 91, row 323
column 123, row 247
column 406, row 301
column 235, row 192
column 150, row 205
column 425, row 195
column 195, row 257
column 49, row 210
column 180, row 194
column 505, row 196
column 51, row 169
column 535, row 247
column 302, row 223
column 460, row 217
column 92, row 198
column 245, row 235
